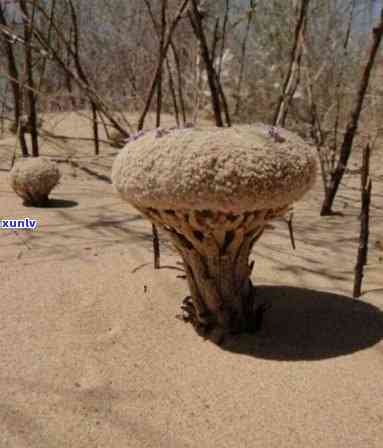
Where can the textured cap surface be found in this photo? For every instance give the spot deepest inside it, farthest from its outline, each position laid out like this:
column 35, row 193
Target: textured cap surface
column 229, row 169
column 34, row 175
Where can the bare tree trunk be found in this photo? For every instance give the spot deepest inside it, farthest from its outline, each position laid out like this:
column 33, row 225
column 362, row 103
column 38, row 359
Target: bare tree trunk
column 160, row 62
column 223, row 39
column 339, row 96
column 161, row 33
column 316, row 130
column 31, row 93
column 366, row 187
column 84, row 77
column 162, row 56
column 3, row 110
column 15, row 84
column 215, row 40
column 294, row 67
column 173, row 93
column 49, row 36
column 215, row 86
column 156, row 247
column 243, row 58
column 95, row 130
column 346, row 148
column 179, row 82
column 196, row 22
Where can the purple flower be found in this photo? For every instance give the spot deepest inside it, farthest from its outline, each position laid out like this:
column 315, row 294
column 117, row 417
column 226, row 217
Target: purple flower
column 159, row 132
column 275, row 135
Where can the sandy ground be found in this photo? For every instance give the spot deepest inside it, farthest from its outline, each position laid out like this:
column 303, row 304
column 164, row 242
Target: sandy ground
column 92, row 354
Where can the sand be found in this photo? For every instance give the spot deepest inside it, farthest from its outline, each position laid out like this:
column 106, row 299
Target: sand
column 93, row 355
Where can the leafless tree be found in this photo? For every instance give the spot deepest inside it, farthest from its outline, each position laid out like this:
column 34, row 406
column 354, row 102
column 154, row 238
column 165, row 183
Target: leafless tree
column 352, row 124
column 14, row 78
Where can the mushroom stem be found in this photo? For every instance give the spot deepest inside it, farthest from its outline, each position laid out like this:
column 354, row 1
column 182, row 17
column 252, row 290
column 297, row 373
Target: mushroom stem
column 221, row 289
column 215, row 248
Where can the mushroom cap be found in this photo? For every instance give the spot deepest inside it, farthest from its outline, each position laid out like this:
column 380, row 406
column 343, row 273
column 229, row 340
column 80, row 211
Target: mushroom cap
column 234, row 169
column 34, row 176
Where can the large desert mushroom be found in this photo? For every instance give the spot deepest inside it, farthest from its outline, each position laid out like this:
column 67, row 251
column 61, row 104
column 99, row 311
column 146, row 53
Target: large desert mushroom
column 213, row 190
column 33, row 179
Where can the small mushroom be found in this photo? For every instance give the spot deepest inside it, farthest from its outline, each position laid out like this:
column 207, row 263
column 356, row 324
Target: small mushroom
column 213, row 190
column 33, row 179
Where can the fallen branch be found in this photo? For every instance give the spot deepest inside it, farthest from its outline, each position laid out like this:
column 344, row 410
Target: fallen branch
column 47, row 134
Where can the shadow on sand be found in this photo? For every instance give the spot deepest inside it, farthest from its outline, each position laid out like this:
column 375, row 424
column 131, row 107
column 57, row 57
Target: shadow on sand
column 56, row 203
column 305, row 324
